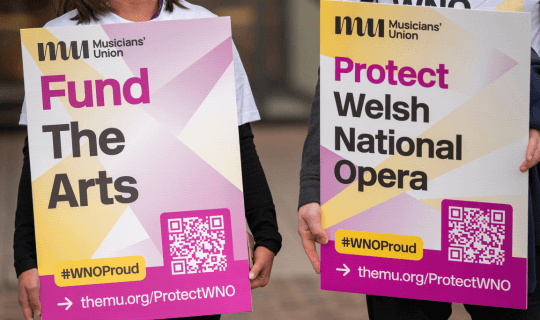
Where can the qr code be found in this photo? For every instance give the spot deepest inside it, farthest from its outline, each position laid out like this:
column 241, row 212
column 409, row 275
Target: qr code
column 197, row 244
column 477, row 235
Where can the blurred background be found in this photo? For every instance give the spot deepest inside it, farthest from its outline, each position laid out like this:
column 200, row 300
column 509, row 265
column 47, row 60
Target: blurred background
column 278, row 41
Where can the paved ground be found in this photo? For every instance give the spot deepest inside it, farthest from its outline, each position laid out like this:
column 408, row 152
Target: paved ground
column 293, row 292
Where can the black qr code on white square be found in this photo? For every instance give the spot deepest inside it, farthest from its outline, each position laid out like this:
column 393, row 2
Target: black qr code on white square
column 476, row 236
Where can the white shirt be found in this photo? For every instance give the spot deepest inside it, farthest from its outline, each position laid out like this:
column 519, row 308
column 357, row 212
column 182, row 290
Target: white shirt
column 532, row 6
column 246, row 108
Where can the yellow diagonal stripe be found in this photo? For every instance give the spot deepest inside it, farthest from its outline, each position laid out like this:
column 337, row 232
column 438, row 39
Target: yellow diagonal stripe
column 478, row 120
column 510, row 5
column 71, row 233
column 67, row 233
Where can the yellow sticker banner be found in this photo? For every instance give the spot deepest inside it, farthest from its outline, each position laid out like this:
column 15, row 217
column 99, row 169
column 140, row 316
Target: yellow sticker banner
column 382, row 245
column 94, row 271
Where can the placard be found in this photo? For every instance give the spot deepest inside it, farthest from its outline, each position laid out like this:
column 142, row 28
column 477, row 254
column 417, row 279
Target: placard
column 424, row 125
column 136, row 172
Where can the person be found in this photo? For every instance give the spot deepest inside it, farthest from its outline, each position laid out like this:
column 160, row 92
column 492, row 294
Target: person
column 379, row 307
column 259, row 207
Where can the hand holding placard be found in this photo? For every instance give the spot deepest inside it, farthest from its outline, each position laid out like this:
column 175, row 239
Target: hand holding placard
column 533, row 150
column 29, row 294
column 311, row 231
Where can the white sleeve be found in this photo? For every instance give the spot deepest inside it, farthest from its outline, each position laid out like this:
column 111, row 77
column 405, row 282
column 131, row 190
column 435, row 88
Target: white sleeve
column 245, row 103
column 22, row 119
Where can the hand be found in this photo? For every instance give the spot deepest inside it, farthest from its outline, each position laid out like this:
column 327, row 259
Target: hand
column 260, row 273
column 533, row 151
column 311, row 231
column 29, row 294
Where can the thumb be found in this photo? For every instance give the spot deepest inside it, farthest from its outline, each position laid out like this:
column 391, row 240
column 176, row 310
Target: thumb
column 255, row 270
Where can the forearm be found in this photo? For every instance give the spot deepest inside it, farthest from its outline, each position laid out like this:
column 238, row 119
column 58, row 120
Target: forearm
column 310, row 171
column 258, row 202
column 24, row 240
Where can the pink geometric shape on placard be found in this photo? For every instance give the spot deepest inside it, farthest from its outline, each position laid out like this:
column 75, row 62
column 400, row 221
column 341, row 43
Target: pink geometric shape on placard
column 165, row 186
column 330, row 187
column 174, row 104
column 422, row 220
column 187, row 41
column 146, row 248
column 498, row 66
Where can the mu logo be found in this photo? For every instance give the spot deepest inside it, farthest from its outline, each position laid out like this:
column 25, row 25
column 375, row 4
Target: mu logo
column 64, row 53
column 360, row 29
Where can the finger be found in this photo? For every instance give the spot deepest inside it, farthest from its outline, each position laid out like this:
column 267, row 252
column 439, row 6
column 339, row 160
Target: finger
column 302, row 225
column 257, row 283
column 26, row 309
column 33, row 294
column 531, row 155
column 311, row 252
column 524, row 166
column 27, row 312
column 313, row 221
column 260, row 281
column 318, row 232
column 24, row 303
column 527, row 164
column 255, row 270
column 313, row 224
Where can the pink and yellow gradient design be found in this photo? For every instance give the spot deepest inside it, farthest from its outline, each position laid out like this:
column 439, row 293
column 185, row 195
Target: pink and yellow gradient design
column 182, row 149
column 510, row 5
column 486, row 103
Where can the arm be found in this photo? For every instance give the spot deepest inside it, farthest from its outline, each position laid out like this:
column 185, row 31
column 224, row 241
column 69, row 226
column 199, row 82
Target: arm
column 24, row 241
column 309, row 213
column 24, row 244
column 311, row 162
column 260, row 209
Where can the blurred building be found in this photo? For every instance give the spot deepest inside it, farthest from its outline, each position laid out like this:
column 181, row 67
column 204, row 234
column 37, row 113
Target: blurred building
column 15, row 15
column 278, row 41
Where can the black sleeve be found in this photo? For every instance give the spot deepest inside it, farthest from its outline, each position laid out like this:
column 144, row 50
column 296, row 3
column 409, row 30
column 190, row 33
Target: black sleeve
column 258, row 203
column 310, row 171
column 535, row 91
column 24, row 240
